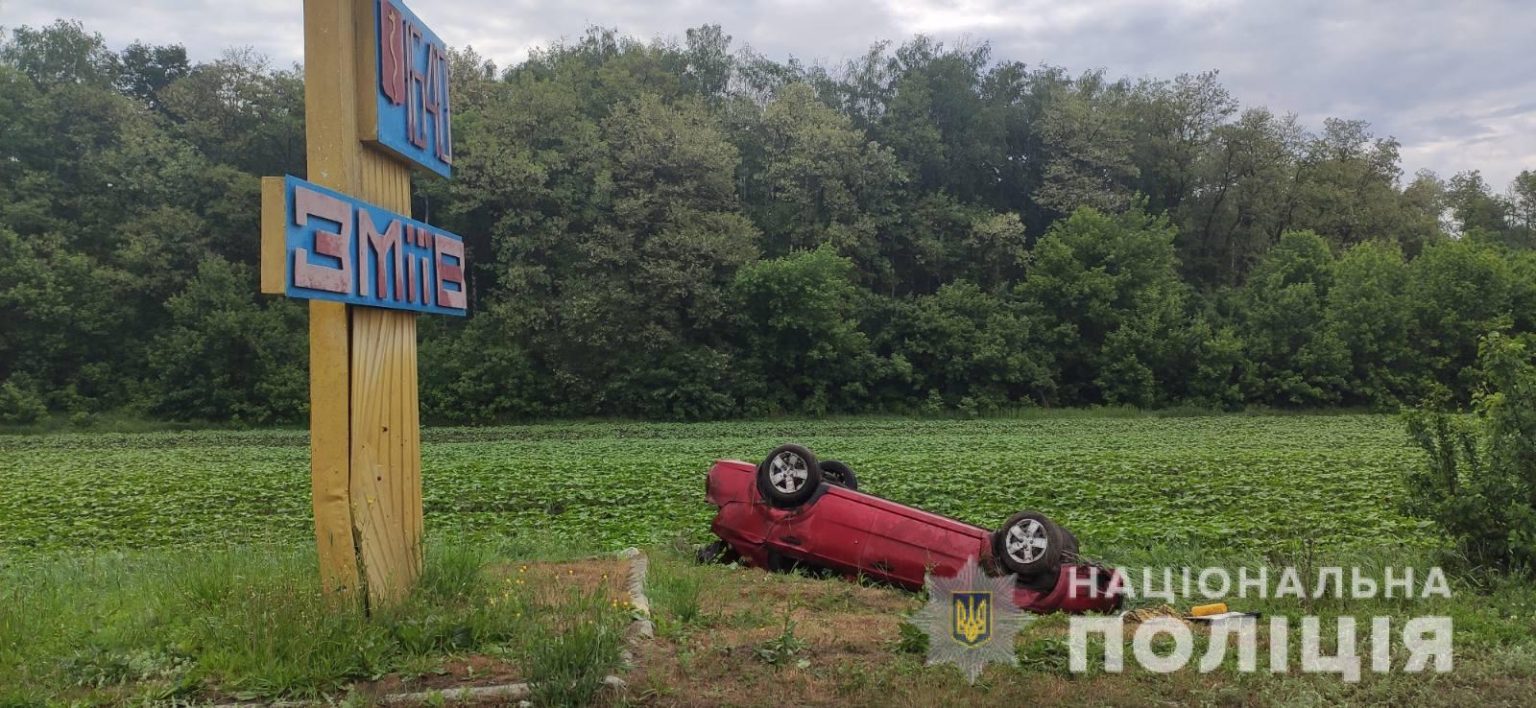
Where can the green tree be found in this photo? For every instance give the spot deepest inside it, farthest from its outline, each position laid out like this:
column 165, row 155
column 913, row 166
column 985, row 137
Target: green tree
column 1088, row 144
column 817, row 180
column 1173, row 125
column 240, row 111
column 796, row 321
column 61, row 323
column 1461, row 291
column 651, row 285
column 1106, row 293
column 1238, row 188
column 970, row 348
column 61, row 53
column 226, row 357
column 147, row 69
column 1370, row 309
column 1522, row 210
column 1474, row 206
column 1346, row 188
column 1295, row 358
column 616, row 195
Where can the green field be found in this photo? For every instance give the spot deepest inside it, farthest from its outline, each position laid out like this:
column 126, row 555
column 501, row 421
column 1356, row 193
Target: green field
column 1142, row 492
column 1247, row 483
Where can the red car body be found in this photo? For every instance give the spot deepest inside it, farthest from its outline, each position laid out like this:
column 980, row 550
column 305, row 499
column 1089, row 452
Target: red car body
column 853, row 533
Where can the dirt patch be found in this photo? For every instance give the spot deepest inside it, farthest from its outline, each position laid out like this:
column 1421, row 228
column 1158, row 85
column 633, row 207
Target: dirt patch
column 774, row 639
column 608, row 576
column 473, row 670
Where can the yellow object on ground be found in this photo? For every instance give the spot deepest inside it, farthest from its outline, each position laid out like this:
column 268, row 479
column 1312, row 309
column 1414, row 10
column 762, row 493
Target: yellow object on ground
column 1214, row 608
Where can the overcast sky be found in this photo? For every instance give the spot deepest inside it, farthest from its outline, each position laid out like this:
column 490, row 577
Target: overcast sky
column 1454, row 81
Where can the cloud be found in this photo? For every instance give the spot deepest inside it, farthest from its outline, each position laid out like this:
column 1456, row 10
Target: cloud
column 1452, row 81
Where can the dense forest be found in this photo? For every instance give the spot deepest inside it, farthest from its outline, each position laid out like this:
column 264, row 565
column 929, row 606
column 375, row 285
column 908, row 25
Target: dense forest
column 683, row 229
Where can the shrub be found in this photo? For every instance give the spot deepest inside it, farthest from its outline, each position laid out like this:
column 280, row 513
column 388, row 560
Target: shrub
column 1479, row 481
column 20, row 403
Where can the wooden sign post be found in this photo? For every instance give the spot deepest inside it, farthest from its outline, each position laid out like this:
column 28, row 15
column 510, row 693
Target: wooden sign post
column 376, row 103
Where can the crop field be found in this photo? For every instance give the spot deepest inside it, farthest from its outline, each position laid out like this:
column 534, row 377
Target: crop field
column 1234, row 482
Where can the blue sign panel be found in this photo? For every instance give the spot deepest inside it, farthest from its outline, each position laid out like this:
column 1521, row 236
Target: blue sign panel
column 414, row 119
column 339, row 248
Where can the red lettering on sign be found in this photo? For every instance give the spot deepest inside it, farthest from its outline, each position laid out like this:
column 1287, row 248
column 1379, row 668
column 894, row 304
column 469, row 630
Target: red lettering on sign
column 415, row 120
column 432, row 98
column 426, row 277
column 410, row 280
column 383, row 245
column 449, row 272
column 391, row 53
column 307, row 203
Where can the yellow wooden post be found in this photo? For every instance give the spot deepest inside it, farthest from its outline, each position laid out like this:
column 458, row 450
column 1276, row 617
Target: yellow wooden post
column 365, row 436
column 345, row 241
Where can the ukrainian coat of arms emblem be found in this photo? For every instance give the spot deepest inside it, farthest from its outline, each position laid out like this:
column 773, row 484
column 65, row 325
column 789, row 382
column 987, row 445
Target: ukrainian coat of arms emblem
column 970, row 619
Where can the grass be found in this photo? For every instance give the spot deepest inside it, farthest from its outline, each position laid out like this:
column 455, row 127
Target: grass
column 221, row 624
column 575, row 651
column 252, row 624
column 858, row 650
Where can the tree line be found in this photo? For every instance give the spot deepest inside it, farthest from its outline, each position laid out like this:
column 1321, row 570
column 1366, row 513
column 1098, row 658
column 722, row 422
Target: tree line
column 681, row 229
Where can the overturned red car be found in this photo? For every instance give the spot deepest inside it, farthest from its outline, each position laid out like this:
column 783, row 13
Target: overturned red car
column 793, row 510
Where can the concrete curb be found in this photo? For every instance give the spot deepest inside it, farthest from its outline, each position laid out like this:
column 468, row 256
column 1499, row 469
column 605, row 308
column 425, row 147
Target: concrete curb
column 639, row 565
column 640, row 629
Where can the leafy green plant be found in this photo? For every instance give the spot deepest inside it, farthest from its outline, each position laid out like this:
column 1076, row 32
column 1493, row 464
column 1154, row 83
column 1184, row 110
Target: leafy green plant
column 784, row 647
column 1115, row 477
column 911, row 639
column 1478, row 480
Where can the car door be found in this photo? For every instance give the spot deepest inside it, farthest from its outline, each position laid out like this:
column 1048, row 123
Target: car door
column 830, row 531
column 903, row 544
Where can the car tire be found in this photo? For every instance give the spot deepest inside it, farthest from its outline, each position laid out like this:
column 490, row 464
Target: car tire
column 789, row 475
column 1068, row 546
column 1029, row 544
column 840, row 474
column 1046, row 582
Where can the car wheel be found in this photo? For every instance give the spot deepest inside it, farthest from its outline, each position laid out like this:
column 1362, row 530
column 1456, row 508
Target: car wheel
column 1046, row 582
column 840, row 474
column 1029, row 544
column 789, row 475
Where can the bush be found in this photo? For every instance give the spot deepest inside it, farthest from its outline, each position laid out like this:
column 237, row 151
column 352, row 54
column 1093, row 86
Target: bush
column 228, row 356
column 1479, row 483
column 20, row 403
